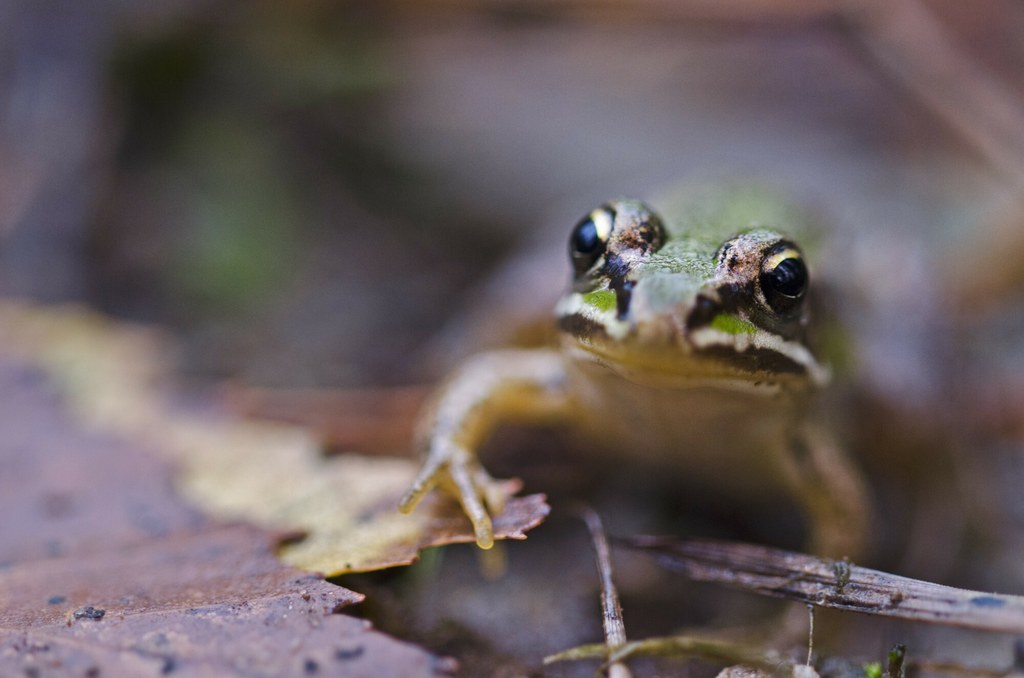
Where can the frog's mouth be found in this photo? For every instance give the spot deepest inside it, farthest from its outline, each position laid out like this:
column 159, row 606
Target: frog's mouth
column 715, row 333
column 757, row 353
column 684, row 346
column 722, row 365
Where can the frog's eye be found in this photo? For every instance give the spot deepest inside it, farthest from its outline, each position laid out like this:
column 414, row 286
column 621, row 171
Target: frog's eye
column 589, row 239
column 784, row 279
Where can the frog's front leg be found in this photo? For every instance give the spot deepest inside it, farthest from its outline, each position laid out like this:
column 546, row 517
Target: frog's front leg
column 492, row 388
column 832, row 491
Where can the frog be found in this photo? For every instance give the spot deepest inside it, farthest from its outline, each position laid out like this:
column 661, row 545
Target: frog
column 684, row 337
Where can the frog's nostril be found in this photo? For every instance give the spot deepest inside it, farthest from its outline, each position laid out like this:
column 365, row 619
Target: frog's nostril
column 703, row 312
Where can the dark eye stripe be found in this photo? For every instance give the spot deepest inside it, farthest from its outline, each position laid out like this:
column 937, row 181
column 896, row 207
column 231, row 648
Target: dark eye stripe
column 703, row 312
column 579, row 325
column 755, row 359
column 623, row 296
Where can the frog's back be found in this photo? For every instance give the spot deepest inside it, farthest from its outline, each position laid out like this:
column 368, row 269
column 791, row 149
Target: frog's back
column 713, row 214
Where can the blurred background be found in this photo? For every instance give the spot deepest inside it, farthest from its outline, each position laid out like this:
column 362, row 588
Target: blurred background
column 308, row 192
column 349, row 194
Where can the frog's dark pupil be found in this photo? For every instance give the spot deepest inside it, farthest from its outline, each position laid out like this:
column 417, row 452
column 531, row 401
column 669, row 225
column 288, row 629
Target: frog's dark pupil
column 789, row 277
column 585, row 239
column 587, row 243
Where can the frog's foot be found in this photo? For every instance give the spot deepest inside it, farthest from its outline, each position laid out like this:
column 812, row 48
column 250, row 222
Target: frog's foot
column 479, row 494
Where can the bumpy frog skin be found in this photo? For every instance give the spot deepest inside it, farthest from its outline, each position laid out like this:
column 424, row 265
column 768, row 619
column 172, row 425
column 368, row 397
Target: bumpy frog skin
column 681, row 340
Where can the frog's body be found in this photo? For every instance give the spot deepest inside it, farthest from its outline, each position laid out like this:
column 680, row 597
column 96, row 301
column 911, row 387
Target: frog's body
column 681, row 340
column 650, row 424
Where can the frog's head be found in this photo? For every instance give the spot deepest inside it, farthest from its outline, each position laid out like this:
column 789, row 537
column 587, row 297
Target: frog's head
column 694, row 301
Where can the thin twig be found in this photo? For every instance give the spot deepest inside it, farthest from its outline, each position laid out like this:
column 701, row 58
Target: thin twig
column 810, row 634
column 683, row 646
column 614, row 624
column 834, row 584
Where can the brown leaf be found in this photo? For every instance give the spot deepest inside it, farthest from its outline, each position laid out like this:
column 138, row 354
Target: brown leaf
column 378, row 420
column 104, row 570
column 284, row 635
column 270, row 474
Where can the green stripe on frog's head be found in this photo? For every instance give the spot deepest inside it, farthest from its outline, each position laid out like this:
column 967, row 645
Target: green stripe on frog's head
column 602, row 300
column 681, row 295
column 732, row 324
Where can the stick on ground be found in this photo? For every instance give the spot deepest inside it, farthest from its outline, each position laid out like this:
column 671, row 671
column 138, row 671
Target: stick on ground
column 834, row 584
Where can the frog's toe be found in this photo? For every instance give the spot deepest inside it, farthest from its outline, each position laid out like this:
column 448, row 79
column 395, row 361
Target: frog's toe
column 425, row 481
column 494, row 492
column 411, row 499
column 469, row 496
column 484, row 533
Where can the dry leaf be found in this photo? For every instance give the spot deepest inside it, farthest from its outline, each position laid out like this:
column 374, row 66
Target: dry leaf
column 271, row 474
column 105, row 571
